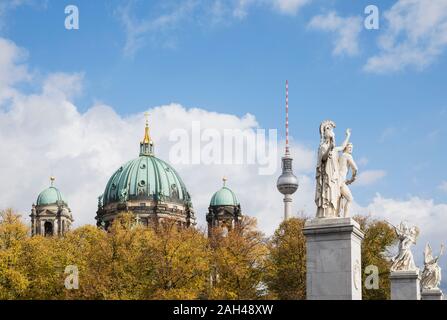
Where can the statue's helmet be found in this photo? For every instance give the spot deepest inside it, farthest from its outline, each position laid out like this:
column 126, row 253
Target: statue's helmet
column 324, row 126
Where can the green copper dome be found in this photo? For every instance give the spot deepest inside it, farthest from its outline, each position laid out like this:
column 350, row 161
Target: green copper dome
column 145, row 177
column 224, row 197
column 50, row 196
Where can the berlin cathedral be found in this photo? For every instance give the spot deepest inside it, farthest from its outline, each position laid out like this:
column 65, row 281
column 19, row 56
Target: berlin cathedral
column 147, row 187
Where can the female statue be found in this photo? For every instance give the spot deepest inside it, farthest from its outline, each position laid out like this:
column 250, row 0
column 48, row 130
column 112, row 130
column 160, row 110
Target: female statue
column 404, row 260
column 431, row 276
column 327, row 193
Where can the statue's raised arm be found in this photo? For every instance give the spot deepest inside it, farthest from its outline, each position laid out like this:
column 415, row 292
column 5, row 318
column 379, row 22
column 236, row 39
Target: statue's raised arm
column 345, row 143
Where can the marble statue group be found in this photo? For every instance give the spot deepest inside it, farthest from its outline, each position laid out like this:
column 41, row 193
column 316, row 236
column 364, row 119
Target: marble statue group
column 333, row 238
column 333, row 196
column 430, row 276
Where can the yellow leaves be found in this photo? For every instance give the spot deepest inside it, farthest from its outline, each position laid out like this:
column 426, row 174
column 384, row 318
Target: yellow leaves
column 286, row 276
column 239, row 262
column 181, row 263
column 13, row 282
column 167, row 262
column 12, row 230
column 379, row 236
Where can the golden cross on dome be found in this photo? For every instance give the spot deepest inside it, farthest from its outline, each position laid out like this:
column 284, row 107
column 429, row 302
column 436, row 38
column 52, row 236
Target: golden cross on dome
column 147, row 138
column 146, row 115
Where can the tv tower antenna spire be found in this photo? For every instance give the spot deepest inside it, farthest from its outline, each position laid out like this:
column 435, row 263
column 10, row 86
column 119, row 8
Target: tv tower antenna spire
column 287, row 117
column 287, row 183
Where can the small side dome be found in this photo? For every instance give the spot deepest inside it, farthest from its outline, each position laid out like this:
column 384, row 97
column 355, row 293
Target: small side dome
column 224, row 197
column 51, row 195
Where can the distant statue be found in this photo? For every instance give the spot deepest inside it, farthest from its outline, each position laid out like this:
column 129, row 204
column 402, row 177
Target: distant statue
column 328, row 186
column 174, row 191
column 100, row 201
column 346, row 163
column 407, row 236
column 123, row 195
column 431, row 275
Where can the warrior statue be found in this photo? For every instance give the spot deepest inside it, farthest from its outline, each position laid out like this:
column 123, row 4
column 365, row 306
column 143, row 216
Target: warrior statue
column 328, row 186
column 346, row 163
column 431, row 276
column 407, row 236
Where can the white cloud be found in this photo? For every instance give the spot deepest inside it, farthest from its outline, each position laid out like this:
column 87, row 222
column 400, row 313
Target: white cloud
column 161, row 27
column 363, row 161
column 387, row 133
column 62, row 84
column 346, row 31
column 139, row 30
column 241, row 7
column 7, row 6
column 11, row 69
column 45, row 134
column 370, row 177
column 218, row 12
column 289, row 6
column 443, row 186
column 416, row 34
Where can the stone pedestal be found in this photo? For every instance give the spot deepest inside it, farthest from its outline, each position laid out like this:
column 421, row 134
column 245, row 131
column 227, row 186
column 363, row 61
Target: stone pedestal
column 405, row 285
column 333, row 259
column 432, row 294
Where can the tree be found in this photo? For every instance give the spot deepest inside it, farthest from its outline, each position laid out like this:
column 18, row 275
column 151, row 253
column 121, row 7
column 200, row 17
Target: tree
column 287, row 261
column 177, row 263
column 239, row 262
column 166, row 261
column 134, row 262
column 87, row 249
column 379, row 237
column 12, row 230
column 120, row 252
column 107, row 261
column 13, row 281
column 41, row 261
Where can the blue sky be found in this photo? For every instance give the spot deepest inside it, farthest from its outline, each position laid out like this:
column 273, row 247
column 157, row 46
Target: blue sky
column 233, row 57
column 239, row 65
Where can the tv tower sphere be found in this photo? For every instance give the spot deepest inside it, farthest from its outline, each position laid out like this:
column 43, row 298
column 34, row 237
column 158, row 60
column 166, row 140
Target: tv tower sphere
column 287, row 181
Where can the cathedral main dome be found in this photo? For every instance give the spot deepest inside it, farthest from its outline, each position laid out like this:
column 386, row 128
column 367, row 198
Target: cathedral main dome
column 146, row 177
column 149, row 188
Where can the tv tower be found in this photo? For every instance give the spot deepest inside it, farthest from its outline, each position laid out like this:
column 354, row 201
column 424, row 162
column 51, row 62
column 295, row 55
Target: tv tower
column 287, row 183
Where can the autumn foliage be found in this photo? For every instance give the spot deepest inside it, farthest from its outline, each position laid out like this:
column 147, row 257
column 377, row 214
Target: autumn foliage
column 166, row 262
